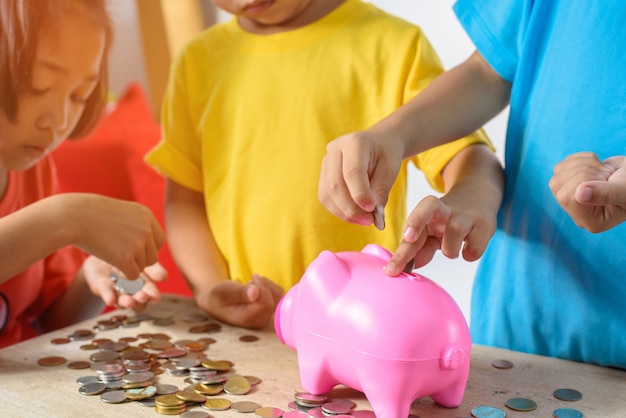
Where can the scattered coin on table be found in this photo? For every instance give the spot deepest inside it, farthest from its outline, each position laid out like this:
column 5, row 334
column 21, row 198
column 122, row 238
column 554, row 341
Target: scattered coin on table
column 566, row 394
column 567, row 413
column 244, row 406
column 248, row 338
column 521, row 404
column 51, row 361
column 485, row 411
column 502, row 364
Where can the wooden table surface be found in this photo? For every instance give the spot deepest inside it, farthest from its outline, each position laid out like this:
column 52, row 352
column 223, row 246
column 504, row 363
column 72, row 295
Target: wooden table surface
column 30, row 390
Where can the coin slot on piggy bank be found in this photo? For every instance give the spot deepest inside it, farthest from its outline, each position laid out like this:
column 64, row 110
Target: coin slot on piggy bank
column 396, row 339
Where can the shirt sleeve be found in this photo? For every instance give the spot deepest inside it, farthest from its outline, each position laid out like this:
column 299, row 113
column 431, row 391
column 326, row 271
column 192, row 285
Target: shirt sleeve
column 497, row 29
column 178, row 154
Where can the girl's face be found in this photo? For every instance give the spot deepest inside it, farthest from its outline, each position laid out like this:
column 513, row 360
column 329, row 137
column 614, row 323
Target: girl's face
column 65, row 72
column 271, row 16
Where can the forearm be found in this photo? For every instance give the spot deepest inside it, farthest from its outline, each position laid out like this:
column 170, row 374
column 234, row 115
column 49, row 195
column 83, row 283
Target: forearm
column 477, row 176
column 191, row 240
column 31, row 234
column 454, row 105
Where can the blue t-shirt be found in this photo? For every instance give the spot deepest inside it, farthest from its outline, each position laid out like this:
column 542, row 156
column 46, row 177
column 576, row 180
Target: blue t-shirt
column 544, row 285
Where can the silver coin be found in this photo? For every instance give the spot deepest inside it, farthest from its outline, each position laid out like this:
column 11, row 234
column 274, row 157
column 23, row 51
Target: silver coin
column 245, row 406
column 137, row 377
column 115, row 384
column 92, row 389
column 318, row 412
column 363, row 414
column 114, row 396
column 336, row 408
column 409, row 266
column 484, row 411
column 379, row 217
column 194, row 414
column 566, row 394
column 150, row 402
column 124, row 285
column 163, row 389
column 345, row 401
column 521, row 404
column 83, row 380
column 295, row 414
column 567, row 413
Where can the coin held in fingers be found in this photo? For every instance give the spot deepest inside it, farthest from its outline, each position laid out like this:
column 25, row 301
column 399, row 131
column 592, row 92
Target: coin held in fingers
column 379, row 217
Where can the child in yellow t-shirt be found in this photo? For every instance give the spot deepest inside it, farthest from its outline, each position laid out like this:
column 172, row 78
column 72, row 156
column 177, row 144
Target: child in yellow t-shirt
column 250, row 107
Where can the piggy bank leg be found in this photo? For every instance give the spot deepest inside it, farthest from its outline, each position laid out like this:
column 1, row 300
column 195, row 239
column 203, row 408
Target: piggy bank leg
column 452, row 395
column 388, row 401
column 314, row 377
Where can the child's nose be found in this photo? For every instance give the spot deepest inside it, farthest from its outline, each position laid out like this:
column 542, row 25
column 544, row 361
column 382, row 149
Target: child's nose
column 55, row 116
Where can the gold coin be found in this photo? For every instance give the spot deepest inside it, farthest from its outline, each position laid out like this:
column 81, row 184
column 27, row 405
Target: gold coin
column 88, row 347
column 170, row 411
column 190, row 395
column 210, row 390
column 219, row 365
column 237, row 385
column 141, row 393
column 169, row 400
column 217, row 404
column 51, row 361
column 268, row 412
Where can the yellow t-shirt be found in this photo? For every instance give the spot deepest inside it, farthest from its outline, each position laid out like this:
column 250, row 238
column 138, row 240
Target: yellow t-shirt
column 246, row 121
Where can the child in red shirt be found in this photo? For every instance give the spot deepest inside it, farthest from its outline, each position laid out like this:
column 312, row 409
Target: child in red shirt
column 53, row 84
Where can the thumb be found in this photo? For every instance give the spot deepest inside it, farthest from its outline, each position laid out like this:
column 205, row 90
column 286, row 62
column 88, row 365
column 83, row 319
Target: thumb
column 601, row 193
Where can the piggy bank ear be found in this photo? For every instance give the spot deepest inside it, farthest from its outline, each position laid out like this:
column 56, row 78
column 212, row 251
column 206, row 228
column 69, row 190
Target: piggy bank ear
column 378, row 251
column 329, row 262
column 327, row 275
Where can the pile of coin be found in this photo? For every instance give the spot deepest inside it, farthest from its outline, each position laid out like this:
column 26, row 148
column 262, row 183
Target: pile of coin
column 126, row 372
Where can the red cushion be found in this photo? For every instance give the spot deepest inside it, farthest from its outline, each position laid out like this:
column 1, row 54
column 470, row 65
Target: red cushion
column 109, row 161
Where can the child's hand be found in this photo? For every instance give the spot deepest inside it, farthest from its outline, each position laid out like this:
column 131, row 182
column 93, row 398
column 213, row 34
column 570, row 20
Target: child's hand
column 122, row 233
column 591, row 191
column 248, row 305
column 98, row 276
column 455, row 224
column 357, row 173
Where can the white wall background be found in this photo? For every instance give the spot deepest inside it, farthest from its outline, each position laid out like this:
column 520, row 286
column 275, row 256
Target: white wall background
column 439, row 24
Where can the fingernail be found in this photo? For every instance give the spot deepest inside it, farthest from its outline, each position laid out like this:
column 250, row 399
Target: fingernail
column 584, row 195
column 390, row 269
column 409, row 234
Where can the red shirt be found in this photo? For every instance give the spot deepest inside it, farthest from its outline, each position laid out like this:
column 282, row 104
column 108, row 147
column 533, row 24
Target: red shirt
column 27, row 295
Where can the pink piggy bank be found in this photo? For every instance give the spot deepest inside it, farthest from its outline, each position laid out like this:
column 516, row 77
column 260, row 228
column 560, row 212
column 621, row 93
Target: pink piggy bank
column 395, row 339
